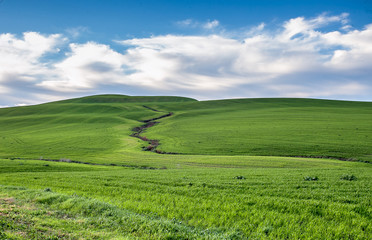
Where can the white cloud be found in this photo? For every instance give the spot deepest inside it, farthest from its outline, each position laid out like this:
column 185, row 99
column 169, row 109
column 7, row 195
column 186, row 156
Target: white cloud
column 211, row 24
column 216, row 62
column 76, row 32
column 85, row 67
column 21, row 104
column 356, row 52
column 176, row 62
column 24, row 62
column 258, row 28
column 327, row 90
column 185, row 23
column 309, row 28
column 4, row 90
column 20, row 57
column 296, row 60
column 190, row 23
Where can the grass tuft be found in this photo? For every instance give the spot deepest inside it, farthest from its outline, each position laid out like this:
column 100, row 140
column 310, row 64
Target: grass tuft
column 348, row 177
column 310, row 178
column 239, row 177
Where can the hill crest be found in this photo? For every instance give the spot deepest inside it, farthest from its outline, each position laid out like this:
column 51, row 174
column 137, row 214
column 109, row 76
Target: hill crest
column 117, row 98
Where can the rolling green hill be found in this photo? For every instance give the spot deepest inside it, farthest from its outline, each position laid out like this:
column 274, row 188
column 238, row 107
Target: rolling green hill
column 71, row 170
column 274, row 127
column 96, row 126
column 89, row 127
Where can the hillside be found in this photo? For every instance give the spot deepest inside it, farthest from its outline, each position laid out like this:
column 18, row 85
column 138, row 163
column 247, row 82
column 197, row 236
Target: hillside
column 97, row 127
column 73, row 129
column 275, row 127
column 71, row 170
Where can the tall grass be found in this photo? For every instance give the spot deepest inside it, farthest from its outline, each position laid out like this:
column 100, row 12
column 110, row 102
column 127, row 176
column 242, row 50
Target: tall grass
column 272, row 203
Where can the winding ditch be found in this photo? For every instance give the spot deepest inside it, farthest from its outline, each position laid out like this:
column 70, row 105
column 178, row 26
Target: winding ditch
column 153, row 143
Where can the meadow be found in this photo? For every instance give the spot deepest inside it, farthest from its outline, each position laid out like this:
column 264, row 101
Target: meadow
column 70, row 169
column 274, row 127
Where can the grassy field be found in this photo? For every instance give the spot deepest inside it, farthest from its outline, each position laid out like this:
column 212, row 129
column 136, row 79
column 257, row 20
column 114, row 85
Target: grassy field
column 274, row 127
column 96, row 128
column 199, row 202
column 233, row 179
column 87, row 128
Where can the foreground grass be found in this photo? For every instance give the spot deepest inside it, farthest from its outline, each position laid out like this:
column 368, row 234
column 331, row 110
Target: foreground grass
column 257, row 203
column 28, row 219
column 31, row 214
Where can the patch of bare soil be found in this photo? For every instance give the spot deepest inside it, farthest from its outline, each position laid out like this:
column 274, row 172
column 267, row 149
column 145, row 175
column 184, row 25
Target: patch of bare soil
column 153, row 143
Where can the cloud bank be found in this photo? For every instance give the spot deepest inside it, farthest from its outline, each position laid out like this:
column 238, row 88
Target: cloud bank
column 301, row 58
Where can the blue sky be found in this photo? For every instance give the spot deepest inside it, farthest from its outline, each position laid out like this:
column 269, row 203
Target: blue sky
column 51, row 50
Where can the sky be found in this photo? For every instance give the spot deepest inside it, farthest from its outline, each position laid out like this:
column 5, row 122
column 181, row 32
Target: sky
column 204, row 49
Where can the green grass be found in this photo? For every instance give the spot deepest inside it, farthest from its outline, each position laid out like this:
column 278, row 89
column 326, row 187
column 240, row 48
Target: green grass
column 98, row 127
column 273, row 127
column 68, row 130
column 233, row 180
column 269, row 203
column 32, row 214
column 27, row 219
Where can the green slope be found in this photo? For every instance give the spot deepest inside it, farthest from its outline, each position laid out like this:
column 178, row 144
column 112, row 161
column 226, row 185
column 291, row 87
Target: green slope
column 89, row 127
column 98, row 127
column 274, row 127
